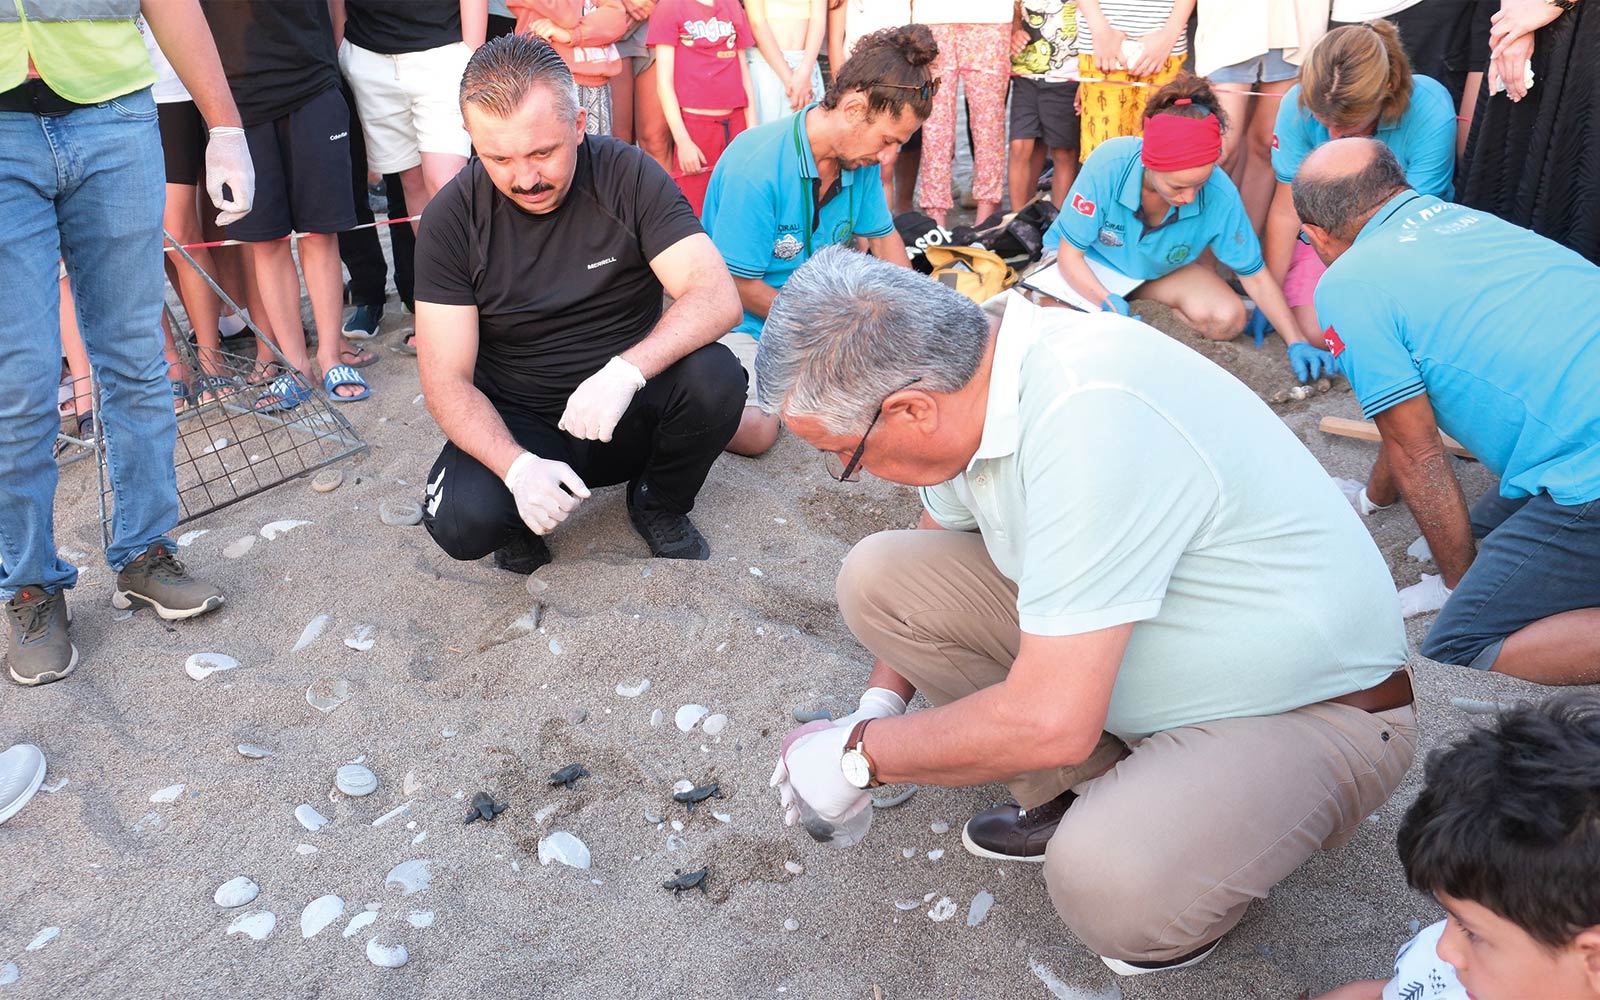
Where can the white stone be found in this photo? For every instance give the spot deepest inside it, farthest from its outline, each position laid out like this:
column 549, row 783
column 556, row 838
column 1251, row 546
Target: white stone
column 657, row 717
column 793, row 867
column 939, row 826
column 355, row 780
column 309, row 817
column 271, row 531
column 681, row 785
column 943, row 910
column 756, row 572
column 563, row 847
column 327, row 693
column 411, row 876
column 236, row 892
column 9, row 974
column 979, row 908
column 936, row 854
column 386, row 956
column 361, row 639
column 253, row 751
column 908, row 852
column 238, row 547
column 420, row 918
column 677, row 826
column 402, row 809
column 545, row 812
column 168, row 794
column 359, row 921
column 714, row 724
column 688, row 716
column 202, row 665
column 555, row 647
column 303, row 849
column 43, row 938
column 908, row 904
column 791, row 924
column 419, row 838
column 254, row 925
column 188, row 537
column 309, row 634
column 722, row 817
column 634, row 690
column 319, row 913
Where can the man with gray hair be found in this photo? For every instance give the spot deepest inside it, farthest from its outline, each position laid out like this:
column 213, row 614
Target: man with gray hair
column 543, row 349
column 1106, row 603
column 1448, row 318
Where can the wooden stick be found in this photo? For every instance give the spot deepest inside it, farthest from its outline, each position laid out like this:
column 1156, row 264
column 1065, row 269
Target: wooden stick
column 1366, row 430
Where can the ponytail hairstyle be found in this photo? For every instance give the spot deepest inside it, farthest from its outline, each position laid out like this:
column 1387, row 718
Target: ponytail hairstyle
column 1196, row 91
column 894, row 68
column 1356, row 72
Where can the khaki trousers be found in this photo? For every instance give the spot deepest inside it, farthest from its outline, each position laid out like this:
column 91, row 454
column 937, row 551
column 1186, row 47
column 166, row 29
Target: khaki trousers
column 1171, row 837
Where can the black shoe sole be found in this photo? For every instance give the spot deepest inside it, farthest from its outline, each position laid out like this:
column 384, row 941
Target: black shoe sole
column 523, row 558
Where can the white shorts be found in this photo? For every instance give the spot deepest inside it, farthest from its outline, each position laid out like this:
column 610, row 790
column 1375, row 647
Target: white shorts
column 744, row 347
column 408, row 103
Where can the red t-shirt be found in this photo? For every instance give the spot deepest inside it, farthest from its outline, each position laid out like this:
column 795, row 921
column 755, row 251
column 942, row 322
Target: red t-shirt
column 710, row 39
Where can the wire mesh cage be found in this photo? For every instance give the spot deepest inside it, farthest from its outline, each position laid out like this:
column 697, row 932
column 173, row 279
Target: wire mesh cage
column 236, row 438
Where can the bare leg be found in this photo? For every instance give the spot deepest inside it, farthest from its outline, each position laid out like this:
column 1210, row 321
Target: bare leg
column 319, row 262
column 1237, row 107
column 279, row 287
column 906, row 167
column 1021, row 175
column 1202, row 299
column 622, row 102
column 1561, row 649
column 1259, row 181
column 182, row 220
column 77, row 356
column 1066, row 161
column 649, row 121
column 438, row 169
column 1469, row 104
column 757, row 432
column 416, row 189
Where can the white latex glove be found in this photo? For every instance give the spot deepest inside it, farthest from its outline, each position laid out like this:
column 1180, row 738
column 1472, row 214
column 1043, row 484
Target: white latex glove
column 536, row 484
column 876, row 703
column 1356, row 493
column 1420, row 550
column 809, row 769
column 228, row 162
column 600, row 400
column 1421, row 598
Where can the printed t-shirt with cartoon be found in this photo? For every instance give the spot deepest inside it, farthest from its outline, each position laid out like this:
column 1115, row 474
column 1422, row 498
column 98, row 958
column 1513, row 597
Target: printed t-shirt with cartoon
column 1050, row 54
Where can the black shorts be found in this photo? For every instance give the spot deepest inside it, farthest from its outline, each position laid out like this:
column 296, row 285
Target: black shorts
column 1042, row 109
column 302, row 163
column 183, row 141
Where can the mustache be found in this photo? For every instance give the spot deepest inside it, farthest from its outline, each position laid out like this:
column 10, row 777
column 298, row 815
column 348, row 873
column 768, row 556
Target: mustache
column 537, row 189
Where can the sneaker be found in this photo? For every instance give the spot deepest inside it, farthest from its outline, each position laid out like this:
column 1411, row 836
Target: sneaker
column 41, row 650
column 233, row 324
column 1009, row 833
column 523, row 554
column 1195, row 957
column 362, row 323
column 158, row 579
column 669, row 535
column 21, row 773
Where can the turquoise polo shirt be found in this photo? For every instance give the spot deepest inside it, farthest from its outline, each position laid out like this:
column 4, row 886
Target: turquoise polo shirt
column 762, row 210
column 1423, row 140
column 1103, row 218
column 1499, row 326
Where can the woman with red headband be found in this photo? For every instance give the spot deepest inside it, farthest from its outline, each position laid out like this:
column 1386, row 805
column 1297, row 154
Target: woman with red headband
column 1144, row 210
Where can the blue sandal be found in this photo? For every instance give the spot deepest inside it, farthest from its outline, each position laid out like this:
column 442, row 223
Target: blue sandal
column 180, row 395
column 342, row 375
column 283, row 393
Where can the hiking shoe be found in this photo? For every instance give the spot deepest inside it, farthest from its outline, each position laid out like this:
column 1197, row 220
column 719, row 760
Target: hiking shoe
column 1195, row 957
column 1009, row 833
column 41, row 651
column 523, row 554
column 157, row 579
column 362, row 323
column 21, row 773
column 669, row 535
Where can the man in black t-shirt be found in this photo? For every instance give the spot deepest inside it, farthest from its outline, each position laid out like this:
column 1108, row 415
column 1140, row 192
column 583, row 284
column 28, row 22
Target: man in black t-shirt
column 279, row 59
column 543, row 349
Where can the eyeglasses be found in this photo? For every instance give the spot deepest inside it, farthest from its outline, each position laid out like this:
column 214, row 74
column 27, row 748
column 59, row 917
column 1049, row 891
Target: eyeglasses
column 925, row 91
column 850, row 472
column 1303, row 238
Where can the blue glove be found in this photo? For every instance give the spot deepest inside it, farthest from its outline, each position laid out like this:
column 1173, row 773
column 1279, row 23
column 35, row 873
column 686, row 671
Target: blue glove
column 1258, row 326
column 1310, row 363
column 1115, row 303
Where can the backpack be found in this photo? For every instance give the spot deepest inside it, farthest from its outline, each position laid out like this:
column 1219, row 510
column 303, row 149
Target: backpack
column 977, row 273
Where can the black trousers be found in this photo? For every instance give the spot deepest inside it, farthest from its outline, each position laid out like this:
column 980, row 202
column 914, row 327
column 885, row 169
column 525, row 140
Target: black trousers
column 667, row 439
column 1437, row 35
column 360, row 249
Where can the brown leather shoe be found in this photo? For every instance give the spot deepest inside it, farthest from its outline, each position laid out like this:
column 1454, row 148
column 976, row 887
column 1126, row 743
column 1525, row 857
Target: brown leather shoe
column 1009, row 833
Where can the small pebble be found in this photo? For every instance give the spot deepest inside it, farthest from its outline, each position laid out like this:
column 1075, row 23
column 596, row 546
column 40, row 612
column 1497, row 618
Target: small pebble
column 979, row 908
column 714, row 724
column 811, row 714
column 677, row 826
column 555, row 647
column 386, row 956
column 908, row 852
column 253, row 752
column 939, row 826
column 657, row 717
column 791, row 924
column 166, row 795
column 756, row 572
column 943, row 910
column 257, row 926
column 355, row 780
column 634, row 690
column 327, row 480
column 652, row 819
column 43, row 938
column 577, row 715
column 936, row 854
column 899, row 798
column 907, row 904
column 688, row 716
column 400, row 513
column 793, row 867
column 237, row 548
column 236, row 892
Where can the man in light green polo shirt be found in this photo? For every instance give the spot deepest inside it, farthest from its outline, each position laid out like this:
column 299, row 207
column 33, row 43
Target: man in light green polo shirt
column 1137, row 600
column 82, row 182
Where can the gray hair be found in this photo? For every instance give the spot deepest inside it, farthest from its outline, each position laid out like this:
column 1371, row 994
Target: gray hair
column 500, row 74
column 1341, row 202
column 847, row 330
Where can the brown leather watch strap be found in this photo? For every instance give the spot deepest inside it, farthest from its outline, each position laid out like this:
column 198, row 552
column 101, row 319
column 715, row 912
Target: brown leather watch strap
column 853, row 742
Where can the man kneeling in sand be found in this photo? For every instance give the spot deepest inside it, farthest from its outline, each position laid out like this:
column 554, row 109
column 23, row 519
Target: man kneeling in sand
column 541, row 343
column 1137, row 600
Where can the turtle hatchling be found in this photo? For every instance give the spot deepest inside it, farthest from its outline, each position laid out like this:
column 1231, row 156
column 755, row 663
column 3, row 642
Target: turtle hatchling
column 484, row 807
column 568, row 776
column 697, row 795
column 681, row 883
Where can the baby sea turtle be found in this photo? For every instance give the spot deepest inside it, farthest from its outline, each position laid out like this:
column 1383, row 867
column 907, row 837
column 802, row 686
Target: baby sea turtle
column 569, row 775
column 681, row 883
column 697, row 795
column 484, row 807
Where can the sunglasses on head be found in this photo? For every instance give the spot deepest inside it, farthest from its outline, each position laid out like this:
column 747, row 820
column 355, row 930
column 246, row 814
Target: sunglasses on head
column 1303, row 238
column 925, row 91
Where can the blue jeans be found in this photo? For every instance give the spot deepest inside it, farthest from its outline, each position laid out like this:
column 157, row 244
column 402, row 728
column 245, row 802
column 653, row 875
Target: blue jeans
column 1536, row 558
column 88, row 188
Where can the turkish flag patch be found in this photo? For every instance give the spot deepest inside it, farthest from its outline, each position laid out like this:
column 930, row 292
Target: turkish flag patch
column 1274, row 140
column 1082, row 205
column 1334, row 343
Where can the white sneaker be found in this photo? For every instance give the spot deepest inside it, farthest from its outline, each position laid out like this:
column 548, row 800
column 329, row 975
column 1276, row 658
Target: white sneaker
column 233, row 323
column 1122, row 968
column 21, row 773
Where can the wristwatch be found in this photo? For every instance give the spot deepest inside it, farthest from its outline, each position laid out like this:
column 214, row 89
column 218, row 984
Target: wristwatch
column 857, row 766
column 1565, row 5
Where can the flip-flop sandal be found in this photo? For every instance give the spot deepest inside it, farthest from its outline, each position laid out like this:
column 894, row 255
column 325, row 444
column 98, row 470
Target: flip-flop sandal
column 366, row 356
column 263, row 373
column 342, row 375
column 180, row 395
column 407, row 344
column 283, row 393
column 215, row 387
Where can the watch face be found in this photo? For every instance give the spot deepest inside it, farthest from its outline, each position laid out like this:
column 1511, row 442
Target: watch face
column 855, row 769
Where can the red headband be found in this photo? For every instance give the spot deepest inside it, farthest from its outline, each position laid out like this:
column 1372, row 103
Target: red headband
column 1173, row 142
